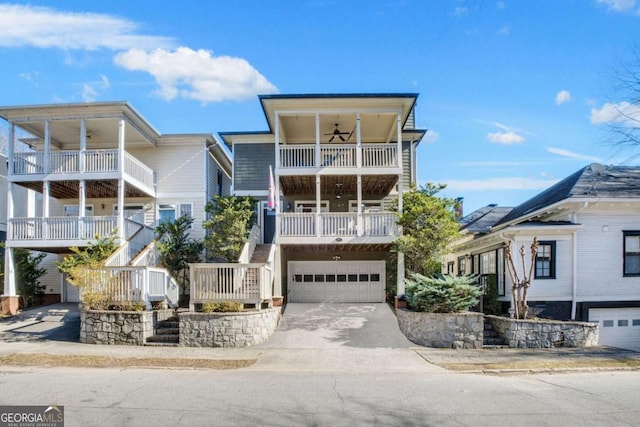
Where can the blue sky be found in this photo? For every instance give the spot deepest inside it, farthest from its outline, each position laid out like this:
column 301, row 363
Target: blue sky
column 515, row 93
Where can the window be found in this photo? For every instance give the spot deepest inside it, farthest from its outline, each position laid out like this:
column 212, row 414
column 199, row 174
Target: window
column 488, row 263
column 219, row 182
column 631, row 253
column 451, row 267
column 462, row 266
column 167, row 213
column 546, row 261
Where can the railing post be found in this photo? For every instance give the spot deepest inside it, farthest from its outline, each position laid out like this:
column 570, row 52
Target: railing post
column 192, row 287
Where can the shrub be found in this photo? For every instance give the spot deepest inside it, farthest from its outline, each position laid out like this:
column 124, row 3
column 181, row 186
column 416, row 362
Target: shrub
column 221, row 307
column 441, row 294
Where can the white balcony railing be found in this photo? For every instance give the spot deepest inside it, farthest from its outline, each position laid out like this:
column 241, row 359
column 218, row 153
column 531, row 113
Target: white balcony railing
column 338, row 156
column 337, row 224
column 61, row 227
column 90, row 161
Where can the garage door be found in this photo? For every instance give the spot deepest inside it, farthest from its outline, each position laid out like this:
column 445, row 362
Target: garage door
column 619, row 327
column 336, row 281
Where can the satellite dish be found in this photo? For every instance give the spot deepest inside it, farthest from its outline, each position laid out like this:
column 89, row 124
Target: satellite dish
column 597, row 168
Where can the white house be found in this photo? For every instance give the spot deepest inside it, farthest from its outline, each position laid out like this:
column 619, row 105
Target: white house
column 588, row 261
column 97, row 168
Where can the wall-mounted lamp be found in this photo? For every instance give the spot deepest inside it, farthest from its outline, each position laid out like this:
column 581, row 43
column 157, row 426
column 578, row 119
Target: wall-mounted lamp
column 338, row 239
column 605, row 228
column 337, row 257
column 102, row 205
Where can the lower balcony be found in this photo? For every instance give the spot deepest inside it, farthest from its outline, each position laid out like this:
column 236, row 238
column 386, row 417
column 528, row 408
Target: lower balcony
column 346, row 227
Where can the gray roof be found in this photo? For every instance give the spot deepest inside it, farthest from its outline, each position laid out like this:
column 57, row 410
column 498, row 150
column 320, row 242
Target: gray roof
column 616, row 182
column 481, row 220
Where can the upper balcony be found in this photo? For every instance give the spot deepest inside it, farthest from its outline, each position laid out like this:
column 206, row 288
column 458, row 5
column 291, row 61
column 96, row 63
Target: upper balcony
column 69, row 165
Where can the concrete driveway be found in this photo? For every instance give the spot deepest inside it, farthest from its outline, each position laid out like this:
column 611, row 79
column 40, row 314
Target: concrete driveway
column 338, row 325
column 55, row 322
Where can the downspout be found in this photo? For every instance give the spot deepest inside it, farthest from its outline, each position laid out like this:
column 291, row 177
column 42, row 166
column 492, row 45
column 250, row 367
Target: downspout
column 574, row 284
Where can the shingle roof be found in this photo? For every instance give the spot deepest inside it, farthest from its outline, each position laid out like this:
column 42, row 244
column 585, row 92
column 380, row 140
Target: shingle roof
column 481, row 220
column 615, row 182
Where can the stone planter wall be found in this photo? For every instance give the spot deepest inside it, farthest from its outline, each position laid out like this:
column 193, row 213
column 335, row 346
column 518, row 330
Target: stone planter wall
column 116, row 327
column 543, row 333
column 242, row 329
column 447, row 330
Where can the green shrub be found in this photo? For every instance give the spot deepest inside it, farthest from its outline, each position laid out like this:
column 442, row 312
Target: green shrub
column 442, row 294
column 221, row 307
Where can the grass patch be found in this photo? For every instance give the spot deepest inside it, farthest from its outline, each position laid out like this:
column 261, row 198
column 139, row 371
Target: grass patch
column 545, row 364
column 77, row 361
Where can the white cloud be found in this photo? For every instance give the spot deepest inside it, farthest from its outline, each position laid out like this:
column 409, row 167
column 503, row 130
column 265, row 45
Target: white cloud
column 504, row 30
column 618, row 5
column 43, row 27
column 623, row 113
column 431, row 136
column 29, row 76
column 562, row 97
column 198, row 75
column 505, row 138
column 90, row 89
column 570, row 154
column 459, row 11
column 499, row 184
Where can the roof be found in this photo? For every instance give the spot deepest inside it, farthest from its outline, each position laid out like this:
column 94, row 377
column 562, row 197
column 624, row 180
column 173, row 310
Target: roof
column 621, row 182
column 481, row 220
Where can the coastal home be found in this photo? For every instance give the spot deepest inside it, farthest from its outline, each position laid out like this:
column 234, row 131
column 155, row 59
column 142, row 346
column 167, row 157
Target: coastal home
column 96, row 169
column 588, row 262
column 333, row 165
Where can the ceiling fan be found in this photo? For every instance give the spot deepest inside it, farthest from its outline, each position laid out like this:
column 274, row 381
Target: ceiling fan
column 336, row 132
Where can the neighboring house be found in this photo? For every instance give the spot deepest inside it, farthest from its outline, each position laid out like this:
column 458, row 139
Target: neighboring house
column 98, row 168
column 338, row 161
column 588, row 262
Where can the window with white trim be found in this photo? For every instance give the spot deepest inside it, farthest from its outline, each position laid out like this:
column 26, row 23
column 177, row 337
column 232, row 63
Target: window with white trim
column 170, row 212
column 631, row 248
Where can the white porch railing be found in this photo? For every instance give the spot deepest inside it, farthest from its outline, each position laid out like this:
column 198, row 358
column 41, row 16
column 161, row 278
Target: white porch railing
column 101, row 160
column 138, row 170
column 61, row 228
column 247, row 282
column 148, row 257
column 337, row 224
column 338, row 156
column 135, row 284
column 28, row 163
column 250, row 246
column 64, row 161
column 138, row 237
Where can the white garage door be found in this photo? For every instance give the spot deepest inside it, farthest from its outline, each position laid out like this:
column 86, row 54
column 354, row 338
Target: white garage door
column 336, row 281
column 619, row 327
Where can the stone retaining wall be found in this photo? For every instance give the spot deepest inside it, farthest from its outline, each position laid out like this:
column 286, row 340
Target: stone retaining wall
column 116, row 327
column 448, row 330
column 543, row 333
column 227, row 329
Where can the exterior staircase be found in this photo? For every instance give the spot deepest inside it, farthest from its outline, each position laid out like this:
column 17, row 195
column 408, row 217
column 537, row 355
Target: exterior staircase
column 167, row 333
column 491, row 338
column 261, row 254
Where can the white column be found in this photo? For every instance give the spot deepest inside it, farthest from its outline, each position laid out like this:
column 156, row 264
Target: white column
column 11, row 149
column 276, row 178
column 82, row 206
column 9, row 273
column 399, row 130
column 360, row 217
column 317, row 151
column 358, row 142
column 400, row 275
column 45, row 209
column 83, row 145
column 121, row 135
column 47, row 146
column 400, row 270
column 318, row 204
column 277, row 143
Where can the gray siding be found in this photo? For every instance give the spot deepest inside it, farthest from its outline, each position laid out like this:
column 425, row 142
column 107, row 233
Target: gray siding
column 251, row 166
column 406, row 164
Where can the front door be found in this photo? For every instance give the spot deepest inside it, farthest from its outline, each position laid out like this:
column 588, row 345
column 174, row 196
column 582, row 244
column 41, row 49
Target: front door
column 269, row 224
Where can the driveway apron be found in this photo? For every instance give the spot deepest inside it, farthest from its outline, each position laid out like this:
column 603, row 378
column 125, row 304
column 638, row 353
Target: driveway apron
column 55, row 322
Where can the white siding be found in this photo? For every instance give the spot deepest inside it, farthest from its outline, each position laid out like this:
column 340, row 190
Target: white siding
column 52, row 280
column 600, row 257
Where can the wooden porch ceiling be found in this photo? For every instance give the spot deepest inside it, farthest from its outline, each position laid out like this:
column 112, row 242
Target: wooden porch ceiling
column 334, row 184
column 367, row 247
column 94, row 189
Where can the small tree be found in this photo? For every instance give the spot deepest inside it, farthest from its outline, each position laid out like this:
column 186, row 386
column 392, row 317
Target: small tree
column 28, row 274
column 428, row 224
column 230, row 221
column 177, row 249
column 442, row 294
column 520, row 286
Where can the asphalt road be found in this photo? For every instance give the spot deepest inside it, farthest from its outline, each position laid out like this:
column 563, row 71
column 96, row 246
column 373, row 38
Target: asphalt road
column 254, row 396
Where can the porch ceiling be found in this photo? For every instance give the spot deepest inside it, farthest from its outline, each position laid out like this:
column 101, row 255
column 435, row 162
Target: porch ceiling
column 367, row 247
column 334, row 184
column 94, row 189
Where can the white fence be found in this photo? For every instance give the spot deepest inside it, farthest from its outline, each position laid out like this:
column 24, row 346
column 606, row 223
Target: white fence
column 337, row 224
column 246, row 282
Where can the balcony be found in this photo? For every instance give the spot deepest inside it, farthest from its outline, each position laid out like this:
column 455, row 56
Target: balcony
column 39, row 232
column 306, row 158
column 374, row 227
column 89, row 164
